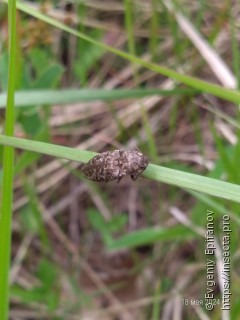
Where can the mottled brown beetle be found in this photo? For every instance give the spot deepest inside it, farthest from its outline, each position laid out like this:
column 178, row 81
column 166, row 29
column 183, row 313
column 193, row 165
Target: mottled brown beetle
column 111, row 165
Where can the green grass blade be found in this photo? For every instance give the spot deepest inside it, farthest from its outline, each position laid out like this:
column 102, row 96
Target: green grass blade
column 153, row 29
column 48, row 148
column 218, row 91
column 47, row 97
column 195, row 182
column 8, row 167
column 150, row 235
column 128, row 13
column 178, row 178
column 130, row 7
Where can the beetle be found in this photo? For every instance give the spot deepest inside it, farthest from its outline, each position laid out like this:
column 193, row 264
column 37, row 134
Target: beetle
column 111, row 165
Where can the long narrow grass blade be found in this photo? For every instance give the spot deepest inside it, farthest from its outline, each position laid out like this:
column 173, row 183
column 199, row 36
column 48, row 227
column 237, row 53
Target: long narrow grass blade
column 67, row 96
column 178, row 178
column 218, row 91
column 8, row 169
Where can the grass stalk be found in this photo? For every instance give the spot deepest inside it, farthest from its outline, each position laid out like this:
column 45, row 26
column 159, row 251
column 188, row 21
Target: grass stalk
column 8, row 171
column 177, row 178
column 207, row 87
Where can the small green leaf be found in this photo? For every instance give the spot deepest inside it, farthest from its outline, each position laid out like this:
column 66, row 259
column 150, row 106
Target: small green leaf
column 28, row 219
column 99, row 223
column 47, row 272
column 31, row 123
column 151, row 235
column 49, row 78
column 40, row 60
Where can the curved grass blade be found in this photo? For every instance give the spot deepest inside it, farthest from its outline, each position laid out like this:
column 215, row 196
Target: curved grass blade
column 218, row 91
column 214, row 187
